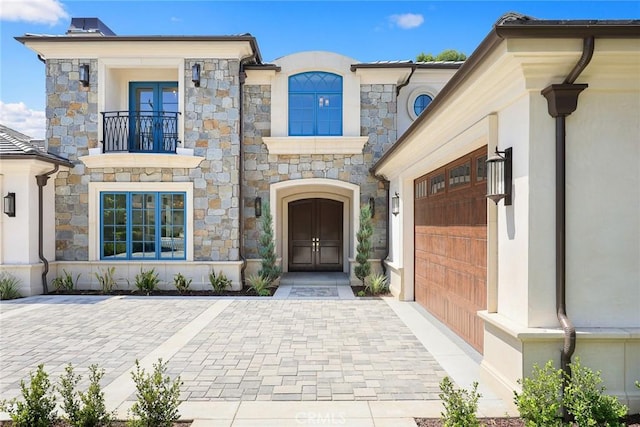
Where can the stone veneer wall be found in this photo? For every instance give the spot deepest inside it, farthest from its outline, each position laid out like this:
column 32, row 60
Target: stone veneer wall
column 212, row 127
column 378, row 122
column 72, row 127
column 211, row 122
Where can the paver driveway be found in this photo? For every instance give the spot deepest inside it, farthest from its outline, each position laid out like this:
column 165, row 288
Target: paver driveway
column 223, row 349
column 248, row 362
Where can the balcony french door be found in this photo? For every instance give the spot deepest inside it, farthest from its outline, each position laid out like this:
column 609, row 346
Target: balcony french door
column 152, row 106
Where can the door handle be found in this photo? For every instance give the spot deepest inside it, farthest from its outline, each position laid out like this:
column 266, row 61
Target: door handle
column 315, row 244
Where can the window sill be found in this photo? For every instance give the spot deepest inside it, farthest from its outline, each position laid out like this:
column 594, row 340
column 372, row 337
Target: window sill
column 315, row 144
column 140, row 160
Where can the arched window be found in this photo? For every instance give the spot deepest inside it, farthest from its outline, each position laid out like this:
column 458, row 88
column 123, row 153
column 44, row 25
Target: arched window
column 315, row 104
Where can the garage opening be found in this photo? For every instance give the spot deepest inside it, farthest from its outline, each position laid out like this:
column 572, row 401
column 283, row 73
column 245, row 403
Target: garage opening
column 451, row 244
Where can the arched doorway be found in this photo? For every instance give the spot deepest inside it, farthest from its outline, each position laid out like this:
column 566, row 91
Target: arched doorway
column 315, row 235
column 346, row 194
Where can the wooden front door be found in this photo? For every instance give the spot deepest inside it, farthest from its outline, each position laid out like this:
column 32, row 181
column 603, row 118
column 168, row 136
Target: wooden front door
column 315, row 235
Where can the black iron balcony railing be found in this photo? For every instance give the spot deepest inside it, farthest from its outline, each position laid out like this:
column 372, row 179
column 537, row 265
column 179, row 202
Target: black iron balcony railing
column 140, row 131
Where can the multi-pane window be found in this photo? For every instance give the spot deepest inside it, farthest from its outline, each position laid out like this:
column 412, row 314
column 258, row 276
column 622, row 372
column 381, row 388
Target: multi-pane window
column 315, row 104
column 145, row 225
column 421, row 102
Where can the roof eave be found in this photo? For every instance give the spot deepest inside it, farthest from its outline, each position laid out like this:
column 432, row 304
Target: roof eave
column 35, row 156
column 519, row 29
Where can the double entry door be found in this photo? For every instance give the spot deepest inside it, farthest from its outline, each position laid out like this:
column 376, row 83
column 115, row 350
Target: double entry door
column 315, row 235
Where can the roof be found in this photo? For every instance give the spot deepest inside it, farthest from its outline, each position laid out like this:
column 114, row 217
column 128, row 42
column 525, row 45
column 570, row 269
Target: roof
column 18, row 146
column 152, row 38
column 515, row 25
column 409, row 64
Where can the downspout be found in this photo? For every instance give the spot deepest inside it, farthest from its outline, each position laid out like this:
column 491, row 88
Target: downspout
column 385, row 182
column 41, row 180
column 242, row 77
column 406, row 82
column 562, row 100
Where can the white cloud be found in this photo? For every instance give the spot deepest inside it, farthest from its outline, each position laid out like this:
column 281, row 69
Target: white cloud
column 176, row 19
column 35, row 11
column 406, row 21
column 19, row 117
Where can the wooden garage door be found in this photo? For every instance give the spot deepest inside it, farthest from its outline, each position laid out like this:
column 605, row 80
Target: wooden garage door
column 451, row 244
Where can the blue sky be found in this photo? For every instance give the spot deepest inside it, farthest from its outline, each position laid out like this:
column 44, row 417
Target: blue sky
column 363, row 30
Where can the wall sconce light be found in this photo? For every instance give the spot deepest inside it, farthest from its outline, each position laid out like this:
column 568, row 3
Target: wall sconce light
column 195, row 75
column 395, row 204
column 372, row 206
column 10, row 204
column 84, row 74
column 258, row 207
column 499, row 174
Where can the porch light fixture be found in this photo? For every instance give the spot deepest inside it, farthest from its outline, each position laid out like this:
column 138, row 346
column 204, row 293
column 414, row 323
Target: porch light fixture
column 395, row 204
column 195, row 75
column 372, row 206
column 499, row 173
column 84, row 74
column 258, row 207
column 10, row 204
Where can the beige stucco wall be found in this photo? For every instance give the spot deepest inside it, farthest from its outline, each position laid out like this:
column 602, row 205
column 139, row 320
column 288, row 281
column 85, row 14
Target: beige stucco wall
column 19, row 234
column 603, row 207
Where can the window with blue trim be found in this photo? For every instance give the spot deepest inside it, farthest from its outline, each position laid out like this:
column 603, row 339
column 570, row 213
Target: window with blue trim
column 315, row 104
column 421, row 103
column 145, row 225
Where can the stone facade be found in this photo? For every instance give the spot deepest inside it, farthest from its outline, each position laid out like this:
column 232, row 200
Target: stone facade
column 212, row 128
column 72, row 127
column 262, row 169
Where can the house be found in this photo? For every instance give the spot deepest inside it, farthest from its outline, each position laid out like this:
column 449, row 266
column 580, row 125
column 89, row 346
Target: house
column 177, row 144
column 525, row 280
column 174, row 139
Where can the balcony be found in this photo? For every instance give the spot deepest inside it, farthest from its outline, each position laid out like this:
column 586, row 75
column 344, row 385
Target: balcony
column 139, row 132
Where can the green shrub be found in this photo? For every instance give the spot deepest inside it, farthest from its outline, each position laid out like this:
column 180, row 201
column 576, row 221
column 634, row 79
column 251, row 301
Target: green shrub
column 364, row 248
column 147, row 281
column 157, row 396
column 9, row 285
column 539, row 402
column 84, row 409
column 584, row 398
column 219, row 282
column 38, row 407
column 267, row 247
column 181, row 283
column 460, row 406
column 107, row 281
column 260, row 285
column 65, row 283
column 377, row 284
column 362, row 294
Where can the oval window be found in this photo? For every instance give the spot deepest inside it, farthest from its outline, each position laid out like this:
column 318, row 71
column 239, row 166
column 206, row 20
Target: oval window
column 421, row 102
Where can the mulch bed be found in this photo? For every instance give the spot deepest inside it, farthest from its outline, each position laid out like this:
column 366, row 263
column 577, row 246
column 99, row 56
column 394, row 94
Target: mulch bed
column 245, row 292
column 631, row 420
column 357, row 289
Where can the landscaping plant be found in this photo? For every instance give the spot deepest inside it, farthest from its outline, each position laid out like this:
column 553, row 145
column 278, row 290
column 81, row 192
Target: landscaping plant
column 37, row 409
column 539, row 402
column 219, row 282
column 106, row 280
column 147, row 281
column 9, row 286
column 181, row 283
column 157, row 396
column 364, row 249
column 377, row 284
column 460, row 405
column 84, row 409
column 584, row 398
column 66, row 282
column 267, row 247
column 260, row 285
